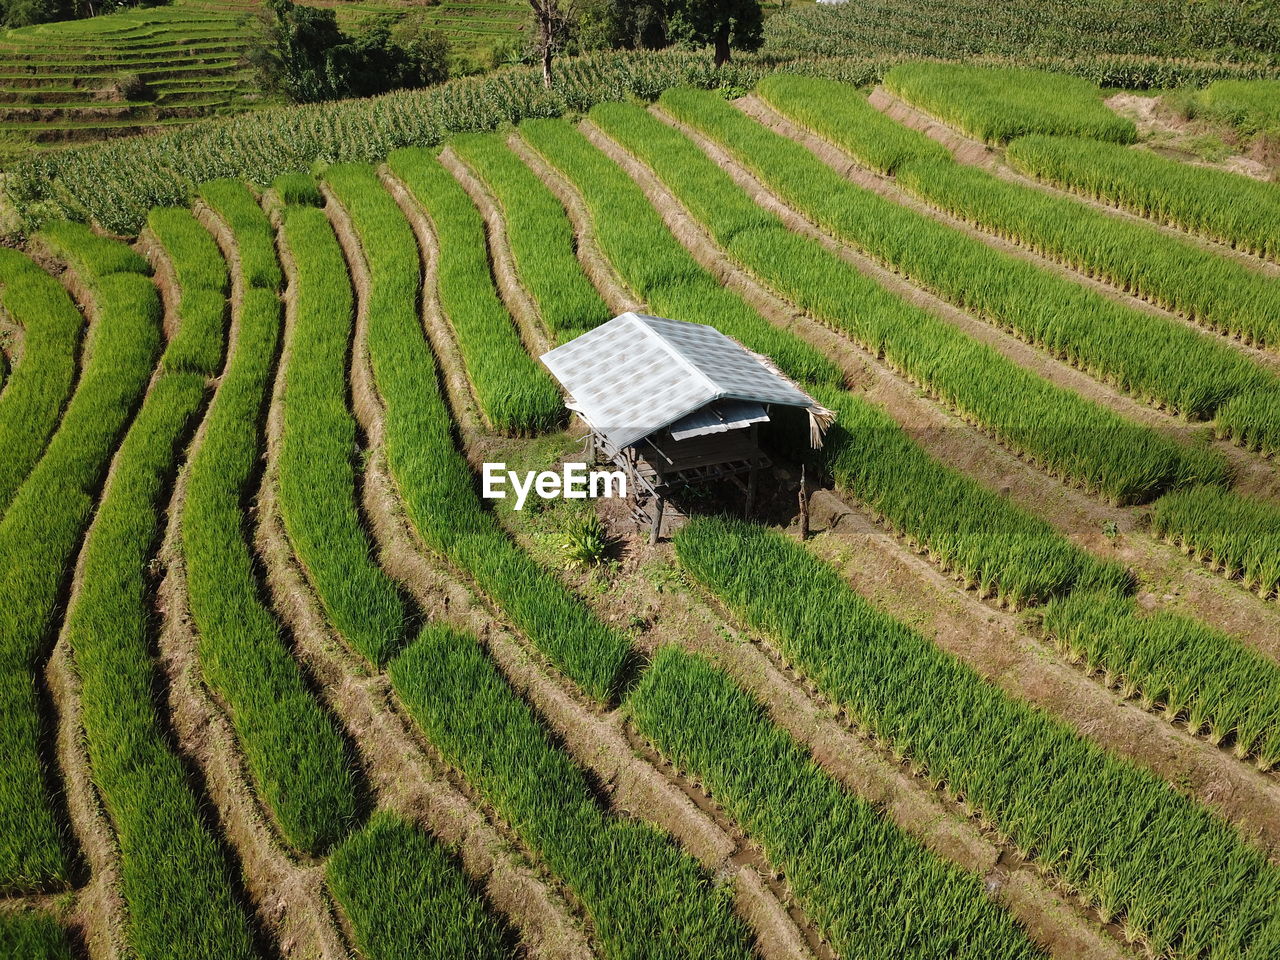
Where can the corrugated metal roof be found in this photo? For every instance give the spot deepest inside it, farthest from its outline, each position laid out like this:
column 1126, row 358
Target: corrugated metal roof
column 718, row 417
column 636, row 374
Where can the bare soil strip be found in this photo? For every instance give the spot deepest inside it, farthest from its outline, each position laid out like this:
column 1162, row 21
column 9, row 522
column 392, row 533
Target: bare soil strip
column 163, row 276
column 1255, row 474
column 1190, row 762
column 99, row 916
column 1169, row 578
column 287, row 894
column 594, row 738
column 12, row 339
column 844, row 164
column 404, row 773
column 966, row 149
column 502, row 264
column 594, row 263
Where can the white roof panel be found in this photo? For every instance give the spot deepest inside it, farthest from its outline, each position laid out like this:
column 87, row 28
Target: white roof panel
column 636, row 374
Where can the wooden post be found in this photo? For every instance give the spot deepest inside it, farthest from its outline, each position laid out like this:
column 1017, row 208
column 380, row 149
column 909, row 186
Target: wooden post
column 657, row 520
column 804, row 506
column 751, row 487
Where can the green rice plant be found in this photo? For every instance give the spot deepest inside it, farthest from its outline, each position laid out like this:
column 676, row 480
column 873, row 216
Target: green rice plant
column 997, row 104
column 91, row 254
column 1065, row 433
column 299, row 189
column 645, row 897
column 232, row 201
column 32, row 935
column 1222, row 689
column 1239, row 535
column 433, row 477
column 996, row 547
column 188, row 908
column 516, row 394
column 1170, row 872
column 1252, row 107
column 1176, row 274
column 42, row 530
column 318, row 447
column 1155, row 359
column 540, row 235
column 406, row 896
column 41, row 381
column 655, row 266
column 1252, row 420
column 871, row 890
column 840, row 113
column 202, row 282
column 1215, row 204
column 294, row 751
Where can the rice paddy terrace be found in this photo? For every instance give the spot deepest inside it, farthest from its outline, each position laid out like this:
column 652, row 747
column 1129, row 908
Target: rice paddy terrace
column 276, row 681
column 150, row 68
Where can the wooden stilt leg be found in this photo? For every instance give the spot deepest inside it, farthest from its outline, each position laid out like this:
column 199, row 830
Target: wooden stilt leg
column 657, row 521
column 751, row 489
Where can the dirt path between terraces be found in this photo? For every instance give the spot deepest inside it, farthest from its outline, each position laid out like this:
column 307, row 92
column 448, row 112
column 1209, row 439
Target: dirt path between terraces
column 1254, row 474
column 97, row 916
column 502, row 264
column 595, row 264
column 1169, row 578
column 1261, row 787
column 287, row 893
column 406, row 772
column 848, row 167
column 164, row 277
column 593, row 737
column 963, row 148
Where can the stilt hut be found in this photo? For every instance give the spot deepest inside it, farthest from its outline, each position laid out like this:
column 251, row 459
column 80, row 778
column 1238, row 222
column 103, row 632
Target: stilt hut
column 673, row 403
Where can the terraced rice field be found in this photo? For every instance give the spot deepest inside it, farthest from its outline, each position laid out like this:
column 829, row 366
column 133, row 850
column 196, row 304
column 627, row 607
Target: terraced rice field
column 276, row 681
column 61, row 82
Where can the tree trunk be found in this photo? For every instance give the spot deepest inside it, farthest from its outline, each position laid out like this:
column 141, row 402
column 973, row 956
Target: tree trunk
column 546, row 64
column 722, row 45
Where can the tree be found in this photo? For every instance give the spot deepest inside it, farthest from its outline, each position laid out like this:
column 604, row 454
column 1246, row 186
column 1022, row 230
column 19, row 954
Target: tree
column 302, row 53
column 723, row 23
column 553, row 25
column 294, row 52
column 426, row 51
column 626, row 24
